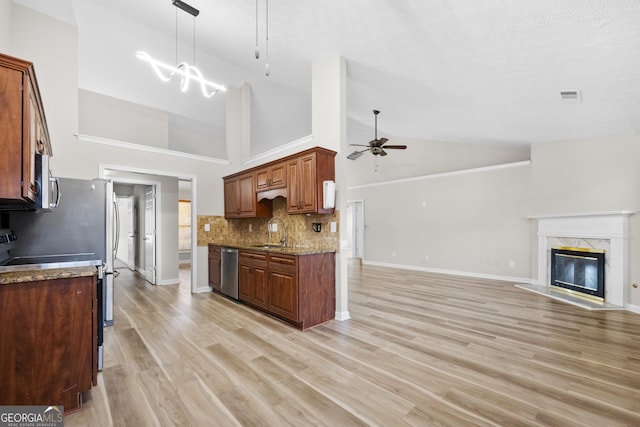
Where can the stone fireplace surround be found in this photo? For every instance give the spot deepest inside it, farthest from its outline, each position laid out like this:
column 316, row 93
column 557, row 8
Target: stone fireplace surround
column 600, row 230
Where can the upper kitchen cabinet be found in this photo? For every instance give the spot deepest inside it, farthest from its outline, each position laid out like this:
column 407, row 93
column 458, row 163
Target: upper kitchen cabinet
column 271, row 177
column 299, row 177
column 305, row 176
column 240, row 198
column 23, row 131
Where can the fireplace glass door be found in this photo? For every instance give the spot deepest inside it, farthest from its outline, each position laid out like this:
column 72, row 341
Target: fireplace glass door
column 578, row 269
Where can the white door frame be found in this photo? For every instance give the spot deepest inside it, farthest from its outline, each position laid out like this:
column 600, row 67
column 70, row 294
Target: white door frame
column 150, row 228
column 103, row 172
column 357, row 229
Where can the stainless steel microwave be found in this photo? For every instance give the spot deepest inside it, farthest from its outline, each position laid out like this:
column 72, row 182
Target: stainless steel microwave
column 48, row 188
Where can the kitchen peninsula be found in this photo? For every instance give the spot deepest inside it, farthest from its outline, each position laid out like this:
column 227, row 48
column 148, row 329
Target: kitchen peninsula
column 49, row 336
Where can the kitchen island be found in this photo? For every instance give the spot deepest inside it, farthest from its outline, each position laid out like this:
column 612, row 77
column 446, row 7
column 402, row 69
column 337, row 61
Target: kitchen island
column 293, row 283
column 49, row 336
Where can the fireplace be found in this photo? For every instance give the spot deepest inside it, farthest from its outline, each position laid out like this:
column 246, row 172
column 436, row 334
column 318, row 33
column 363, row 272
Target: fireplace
column 579, row 270
column 605, row 232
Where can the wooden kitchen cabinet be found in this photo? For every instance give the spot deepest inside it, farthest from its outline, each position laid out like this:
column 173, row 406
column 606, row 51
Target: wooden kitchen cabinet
column 305, row 176
column 215, row 268
column 298, row 177
column 299, row 289
column 283, row 286
column 240, row 198
column 49, row 341
column 23, row 131
column 271, row 177
column 252, row 278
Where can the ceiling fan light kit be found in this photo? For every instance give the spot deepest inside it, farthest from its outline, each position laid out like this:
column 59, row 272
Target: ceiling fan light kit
column 375, row 146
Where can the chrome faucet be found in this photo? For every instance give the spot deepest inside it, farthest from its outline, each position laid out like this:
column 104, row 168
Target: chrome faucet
column 283, row 233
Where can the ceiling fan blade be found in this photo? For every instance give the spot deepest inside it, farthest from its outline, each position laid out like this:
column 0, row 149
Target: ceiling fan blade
column 356, row 154
column 358, row 145
column 382, row 152
column 397, row 147
column 382, row 141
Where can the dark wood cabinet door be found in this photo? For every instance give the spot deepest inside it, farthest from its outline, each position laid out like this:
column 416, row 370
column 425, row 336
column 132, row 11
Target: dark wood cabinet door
column 262, row 179
column 246, row 287
column 261, row 286
column 278, row 176
column 308, row 187
column 215, row 268
column 231, row 198
column 283, row 294
column 293, row 186
column 246, row 196
column 11, row 134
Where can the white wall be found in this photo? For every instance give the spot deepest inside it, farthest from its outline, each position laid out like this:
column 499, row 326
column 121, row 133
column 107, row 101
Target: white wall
column 5, row 26
column 472, row 223
column 591, row 175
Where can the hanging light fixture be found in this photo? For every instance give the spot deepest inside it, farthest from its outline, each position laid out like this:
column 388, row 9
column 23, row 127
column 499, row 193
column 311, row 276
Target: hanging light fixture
column 187, row 72
column 267, row 69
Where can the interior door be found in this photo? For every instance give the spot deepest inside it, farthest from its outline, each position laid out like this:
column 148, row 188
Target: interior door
column 150, row 234
column 131, row 233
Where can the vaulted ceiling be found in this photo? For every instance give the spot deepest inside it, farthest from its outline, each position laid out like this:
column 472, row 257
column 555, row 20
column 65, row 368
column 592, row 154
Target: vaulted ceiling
column 448, row 70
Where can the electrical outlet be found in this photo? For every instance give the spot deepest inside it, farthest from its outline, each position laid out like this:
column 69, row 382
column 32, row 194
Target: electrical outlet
column 426, row 258
column 334, row 226
column 512, row 264
column 250, row 227
column 207, row 227
column 393, row 253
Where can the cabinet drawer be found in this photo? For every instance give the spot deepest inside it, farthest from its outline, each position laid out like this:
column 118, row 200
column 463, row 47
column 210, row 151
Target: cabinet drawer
column 254, row 256
column 214, row 250
column 283, row 260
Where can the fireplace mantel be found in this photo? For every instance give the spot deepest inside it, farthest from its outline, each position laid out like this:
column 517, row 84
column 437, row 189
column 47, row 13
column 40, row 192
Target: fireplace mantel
column 609, row 227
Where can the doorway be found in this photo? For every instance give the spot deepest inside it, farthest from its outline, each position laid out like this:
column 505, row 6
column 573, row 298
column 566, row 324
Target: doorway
column 127, row 234
column 166, row 221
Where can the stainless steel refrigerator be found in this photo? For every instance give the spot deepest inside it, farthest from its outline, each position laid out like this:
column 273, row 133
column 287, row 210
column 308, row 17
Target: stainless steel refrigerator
column 83, row 223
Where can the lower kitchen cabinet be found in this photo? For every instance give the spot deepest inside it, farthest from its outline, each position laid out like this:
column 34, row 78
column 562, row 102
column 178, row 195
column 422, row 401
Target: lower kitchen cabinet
column 215, row 268
column 283, row 286
column 49, row 341
column 299, row 289
column 252, row 278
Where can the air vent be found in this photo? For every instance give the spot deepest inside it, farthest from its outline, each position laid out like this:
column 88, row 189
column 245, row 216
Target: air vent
column 570, row 96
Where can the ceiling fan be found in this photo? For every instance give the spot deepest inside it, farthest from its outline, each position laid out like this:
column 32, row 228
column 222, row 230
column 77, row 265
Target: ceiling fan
column 376, row 145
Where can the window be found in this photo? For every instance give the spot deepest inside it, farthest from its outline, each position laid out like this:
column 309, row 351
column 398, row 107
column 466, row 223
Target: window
column 184, row 225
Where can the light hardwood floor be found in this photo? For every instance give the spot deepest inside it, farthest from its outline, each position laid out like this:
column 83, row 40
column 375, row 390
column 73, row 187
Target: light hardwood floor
column 421, row 349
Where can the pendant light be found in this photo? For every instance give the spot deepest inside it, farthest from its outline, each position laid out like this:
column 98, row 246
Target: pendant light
column 267, row 69
column 187, row 72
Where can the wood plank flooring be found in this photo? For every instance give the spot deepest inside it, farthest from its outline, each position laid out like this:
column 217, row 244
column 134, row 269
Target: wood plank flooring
column 420, row 350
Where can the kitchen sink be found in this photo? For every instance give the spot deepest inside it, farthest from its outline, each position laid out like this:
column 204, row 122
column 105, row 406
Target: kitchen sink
column 268, row 246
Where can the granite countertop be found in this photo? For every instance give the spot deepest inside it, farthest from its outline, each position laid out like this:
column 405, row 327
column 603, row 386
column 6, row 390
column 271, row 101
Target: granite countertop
column 45, row 274
column 285, row 250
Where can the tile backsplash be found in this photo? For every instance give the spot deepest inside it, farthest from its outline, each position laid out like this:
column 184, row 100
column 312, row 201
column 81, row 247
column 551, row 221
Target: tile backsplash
column 253, row 231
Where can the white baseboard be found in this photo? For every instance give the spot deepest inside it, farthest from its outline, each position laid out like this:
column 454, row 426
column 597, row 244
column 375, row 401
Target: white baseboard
column 634, row 308
column 166, row 282
column 202, row 290
column 527, row 280
column 342, row 316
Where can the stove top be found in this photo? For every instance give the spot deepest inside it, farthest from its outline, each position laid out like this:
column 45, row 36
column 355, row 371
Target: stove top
column 37, row 262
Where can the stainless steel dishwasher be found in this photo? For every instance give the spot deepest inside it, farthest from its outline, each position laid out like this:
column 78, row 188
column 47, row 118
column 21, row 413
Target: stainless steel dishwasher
column 229, row 275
